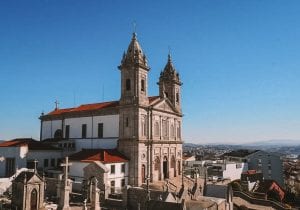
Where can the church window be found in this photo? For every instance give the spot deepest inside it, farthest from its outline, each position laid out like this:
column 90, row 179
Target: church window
column 58, row 134
column 83, row 131
column 144, row 126
column 172, row 131
column 157, row 164
column 177, row 97
column 142, row 85
column 173, row 162
column 127, row 122
column 128, row 84
column 46, row 162
column 10, row 167
column 52, row 162
column 112, row 187
column 123, row 168
column 30, row 164
column 112, row 169
column 178, row 131
column 67, row 134
column 165, row 128
column 100, row 130
column 156, row 129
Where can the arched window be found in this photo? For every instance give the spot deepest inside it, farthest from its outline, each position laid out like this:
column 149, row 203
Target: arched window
column 165, row 128
column 178, row 131
column 58, row 134
column 177, row 97
column 156, row 129
column 172, row 131
column 157, row 164
column 128, row 85
column 143, row 85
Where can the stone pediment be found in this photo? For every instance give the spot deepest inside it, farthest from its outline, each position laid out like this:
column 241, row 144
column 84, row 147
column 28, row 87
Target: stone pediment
column 164, row 105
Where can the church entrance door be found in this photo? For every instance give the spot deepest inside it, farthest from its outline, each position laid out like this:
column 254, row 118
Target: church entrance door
column 165, row 168
column 33, row 200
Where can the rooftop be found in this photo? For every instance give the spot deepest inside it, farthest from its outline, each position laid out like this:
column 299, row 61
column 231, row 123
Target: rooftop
column 103, row 155
column 31, row 143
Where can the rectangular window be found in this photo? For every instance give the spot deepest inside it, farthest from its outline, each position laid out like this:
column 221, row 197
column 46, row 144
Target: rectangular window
column 127, row 122
column 46, row 162
column 142, row 85
column 112, row 169
column 52, row 162
column 100, row 130
column 123, row 168
column 10, row 166
column 123, row 183
column 83, row 131
column 112, row 187
column 30, row 164
column 67, row 134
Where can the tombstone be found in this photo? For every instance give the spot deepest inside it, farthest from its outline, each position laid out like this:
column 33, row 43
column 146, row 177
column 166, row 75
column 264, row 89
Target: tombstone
column 28, row 191
column 65, row 188
column 99, row 171
column 95, row 204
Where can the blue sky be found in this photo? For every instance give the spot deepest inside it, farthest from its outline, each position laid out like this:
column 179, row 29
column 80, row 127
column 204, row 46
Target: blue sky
column 238, row 60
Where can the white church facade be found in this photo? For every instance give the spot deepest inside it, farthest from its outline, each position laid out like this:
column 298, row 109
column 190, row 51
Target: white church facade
column 146, row 130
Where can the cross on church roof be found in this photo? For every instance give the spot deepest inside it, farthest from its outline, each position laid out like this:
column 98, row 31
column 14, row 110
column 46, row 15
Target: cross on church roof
column 56, row 104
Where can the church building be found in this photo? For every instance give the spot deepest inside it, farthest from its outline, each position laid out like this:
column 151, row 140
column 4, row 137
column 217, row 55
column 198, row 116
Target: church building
column 145, row 129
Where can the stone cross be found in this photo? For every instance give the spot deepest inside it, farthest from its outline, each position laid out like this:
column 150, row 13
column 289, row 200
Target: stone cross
column 95, row 204
column 66, row 188
column 56, row 104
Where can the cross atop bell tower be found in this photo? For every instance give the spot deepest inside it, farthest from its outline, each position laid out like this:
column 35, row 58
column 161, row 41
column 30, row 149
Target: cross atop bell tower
column 134, row 75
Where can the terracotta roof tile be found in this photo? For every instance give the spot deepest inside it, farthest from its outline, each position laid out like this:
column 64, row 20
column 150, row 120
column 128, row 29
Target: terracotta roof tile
column 32, row 144
column 85, row 107
column 103, row 155
column 91, row 107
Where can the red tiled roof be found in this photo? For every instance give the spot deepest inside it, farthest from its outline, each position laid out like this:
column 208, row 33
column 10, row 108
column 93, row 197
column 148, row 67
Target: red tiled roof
column 32, row 144
column 92, row 107
column 15, row 142
column 85, row 107
column 103, row 155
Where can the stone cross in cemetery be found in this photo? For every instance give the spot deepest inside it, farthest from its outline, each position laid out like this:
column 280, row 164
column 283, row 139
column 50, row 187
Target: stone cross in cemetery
column 95, row 204
column 65, row 187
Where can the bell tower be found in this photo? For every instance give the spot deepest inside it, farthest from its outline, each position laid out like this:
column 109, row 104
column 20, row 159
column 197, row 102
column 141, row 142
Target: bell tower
column 170, row 84
column 134, row 75
column 133, row 108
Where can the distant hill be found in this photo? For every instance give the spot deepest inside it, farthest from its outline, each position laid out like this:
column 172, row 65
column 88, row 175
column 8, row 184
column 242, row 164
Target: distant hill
column 274, row 142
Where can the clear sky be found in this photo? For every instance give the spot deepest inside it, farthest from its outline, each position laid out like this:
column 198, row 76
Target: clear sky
column 239, row 61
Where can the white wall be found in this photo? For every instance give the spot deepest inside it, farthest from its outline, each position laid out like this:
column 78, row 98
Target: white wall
column 110, row 126
column 96, row 144
column 40, row 155
column 19, row 153
column 49, row 128
column 118, row 175
column 233, row 171
column 76, row 172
